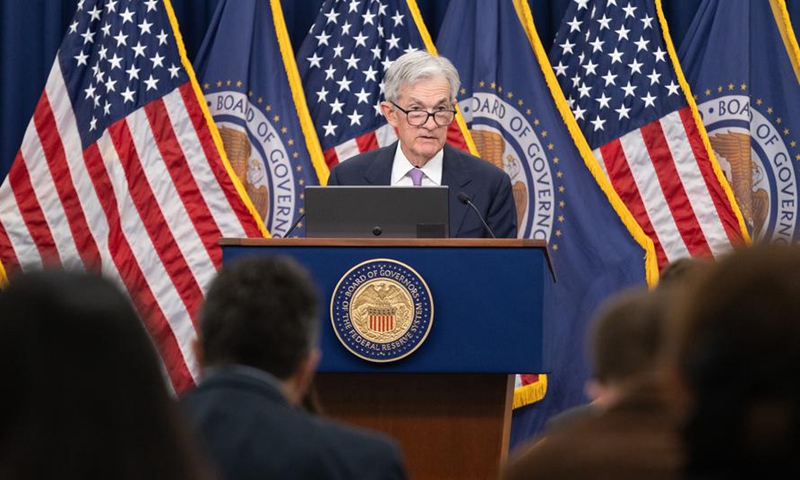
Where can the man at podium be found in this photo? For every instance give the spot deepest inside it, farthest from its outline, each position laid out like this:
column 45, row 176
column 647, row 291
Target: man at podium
column 420, row 92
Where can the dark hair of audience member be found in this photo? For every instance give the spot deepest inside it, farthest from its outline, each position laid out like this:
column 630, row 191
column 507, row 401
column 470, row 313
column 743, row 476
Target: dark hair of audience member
column 737, row 353
column 682, row 270
column 281, row 295
column 84, row 393
column 627, row 336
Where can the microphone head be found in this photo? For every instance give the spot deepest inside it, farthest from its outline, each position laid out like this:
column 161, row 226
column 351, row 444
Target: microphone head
column 463, row 198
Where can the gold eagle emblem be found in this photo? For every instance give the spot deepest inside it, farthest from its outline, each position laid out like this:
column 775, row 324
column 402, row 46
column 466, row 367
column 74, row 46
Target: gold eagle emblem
column 237, row 147
column 491, row 147
column 735, row 149
column 382, row 310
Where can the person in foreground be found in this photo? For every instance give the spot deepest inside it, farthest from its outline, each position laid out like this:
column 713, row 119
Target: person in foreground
column 84, row 394
column 627, row 340
column 736, row 359
column 257, row 348
column 420, row 92
column 630, row 431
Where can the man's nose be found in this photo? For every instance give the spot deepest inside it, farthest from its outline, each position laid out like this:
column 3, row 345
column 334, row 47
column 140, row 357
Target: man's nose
column 430, row 123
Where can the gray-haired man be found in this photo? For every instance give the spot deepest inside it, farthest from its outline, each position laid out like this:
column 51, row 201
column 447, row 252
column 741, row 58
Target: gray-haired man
column 420, row 92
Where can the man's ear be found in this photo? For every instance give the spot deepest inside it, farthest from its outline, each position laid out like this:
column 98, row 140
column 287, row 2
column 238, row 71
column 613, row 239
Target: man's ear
column 602, row 393
column 197, row 349
column 679, row 392
column 596, row 390
column 301, row 380
column 390, row 113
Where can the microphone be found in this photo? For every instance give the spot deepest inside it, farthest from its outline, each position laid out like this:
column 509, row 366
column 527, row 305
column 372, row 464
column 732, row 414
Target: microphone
column 294, row 225
column 464, row 198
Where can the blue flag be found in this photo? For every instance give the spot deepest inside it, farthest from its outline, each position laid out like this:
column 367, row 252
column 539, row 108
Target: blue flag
column 247, row 71
column 743, row 64
column 521, row 122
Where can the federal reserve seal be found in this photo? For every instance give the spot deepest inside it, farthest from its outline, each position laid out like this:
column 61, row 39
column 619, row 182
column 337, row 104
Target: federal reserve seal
column 261, row 152
column 754, row 154
column 382, row 310
column 507, row 136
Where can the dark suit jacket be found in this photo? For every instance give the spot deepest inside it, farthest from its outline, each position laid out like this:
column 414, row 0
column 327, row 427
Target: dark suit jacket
column 251, row 432
column 488, row 187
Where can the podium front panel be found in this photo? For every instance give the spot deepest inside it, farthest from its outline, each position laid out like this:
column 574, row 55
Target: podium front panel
column 487, row 303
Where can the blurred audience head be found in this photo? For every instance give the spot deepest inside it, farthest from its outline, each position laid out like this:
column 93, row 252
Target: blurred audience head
column 737, row 356
column 263, row 312
column 626, row 341
column 678, row 272
column 85, row 396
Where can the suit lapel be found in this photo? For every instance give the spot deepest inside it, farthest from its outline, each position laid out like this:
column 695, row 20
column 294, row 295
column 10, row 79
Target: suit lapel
column 379, row 171
column 454, row 175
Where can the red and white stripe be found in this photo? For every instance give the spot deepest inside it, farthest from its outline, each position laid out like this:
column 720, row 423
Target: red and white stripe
column 665, row 163
column 146, row 203
column 378, row 138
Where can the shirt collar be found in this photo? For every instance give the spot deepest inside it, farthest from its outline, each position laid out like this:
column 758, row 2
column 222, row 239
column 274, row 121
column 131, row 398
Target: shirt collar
column 432, row 169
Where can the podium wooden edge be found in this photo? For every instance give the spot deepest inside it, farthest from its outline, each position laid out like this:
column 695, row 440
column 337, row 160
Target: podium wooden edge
column 384, row 242
column 507, row 416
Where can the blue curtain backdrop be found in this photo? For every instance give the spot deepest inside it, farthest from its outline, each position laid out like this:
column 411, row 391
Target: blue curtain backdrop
column 31, row 31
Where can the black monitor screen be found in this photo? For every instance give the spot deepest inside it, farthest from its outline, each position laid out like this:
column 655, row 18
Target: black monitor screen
column 376, row 211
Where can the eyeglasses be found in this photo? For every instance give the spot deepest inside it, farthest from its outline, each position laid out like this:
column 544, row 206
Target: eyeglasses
column 418, row 118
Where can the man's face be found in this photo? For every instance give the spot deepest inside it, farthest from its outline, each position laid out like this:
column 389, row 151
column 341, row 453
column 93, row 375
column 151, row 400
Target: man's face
column 421, row 143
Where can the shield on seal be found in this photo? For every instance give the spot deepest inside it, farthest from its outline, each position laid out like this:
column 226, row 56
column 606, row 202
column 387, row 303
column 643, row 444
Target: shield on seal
column 381, row 319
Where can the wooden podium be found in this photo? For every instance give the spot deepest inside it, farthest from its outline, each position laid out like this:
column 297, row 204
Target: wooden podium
column 449, row 402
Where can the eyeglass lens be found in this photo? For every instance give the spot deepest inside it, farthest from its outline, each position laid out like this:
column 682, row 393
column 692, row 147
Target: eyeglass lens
column 419, row 117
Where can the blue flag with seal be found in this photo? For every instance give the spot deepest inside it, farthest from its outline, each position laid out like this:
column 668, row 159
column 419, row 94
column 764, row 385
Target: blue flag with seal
column 249, row 77
column 521, row 122
column 742, row 62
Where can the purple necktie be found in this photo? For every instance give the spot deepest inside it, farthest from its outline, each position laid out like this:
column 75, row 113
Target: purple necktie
column 416, row 176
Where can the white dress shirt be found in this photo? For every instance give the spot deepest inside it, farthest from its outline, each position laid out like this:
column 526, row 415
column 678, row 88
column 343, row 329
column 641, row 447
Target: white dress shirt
column 401, row 166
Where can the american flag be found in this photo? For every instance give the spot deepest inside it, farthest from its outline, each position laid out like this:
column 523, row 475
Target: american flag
column 342, row 63
column 613, row 63
column 119, row 171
